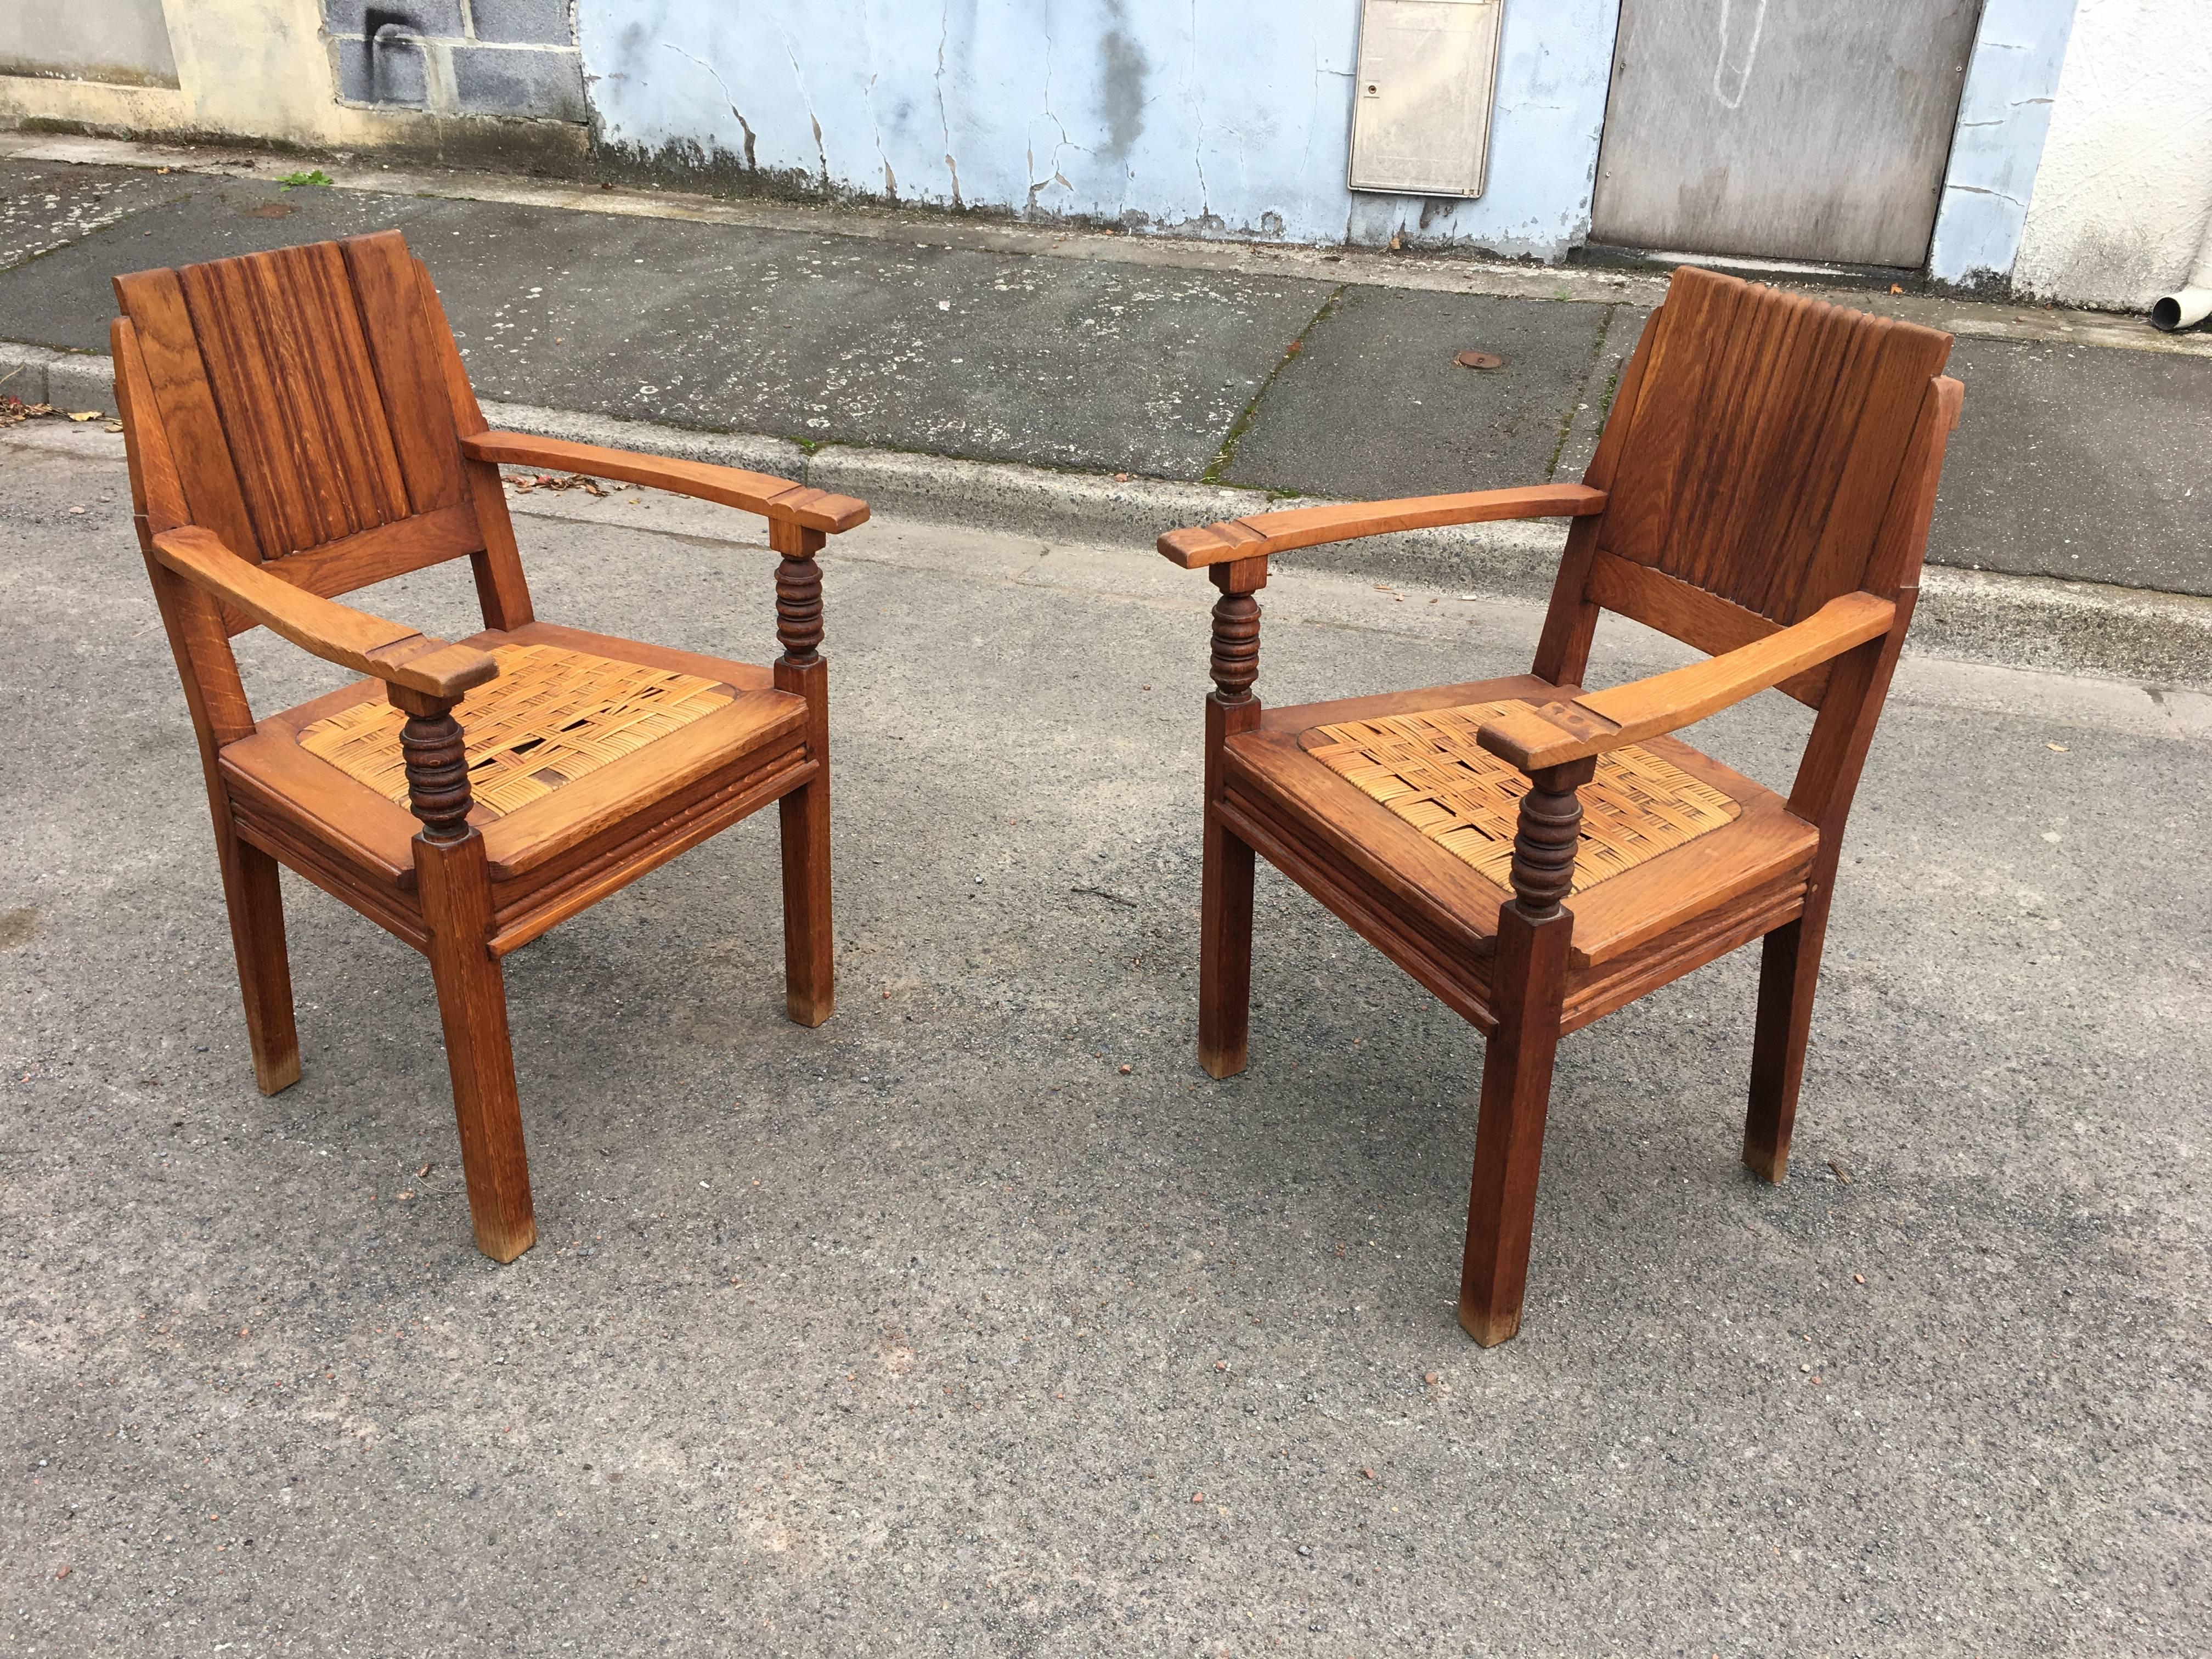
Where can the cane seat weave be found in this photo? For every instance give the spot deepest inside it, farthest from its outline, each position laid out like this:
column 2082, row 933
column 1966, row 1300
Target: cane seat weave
column 551, row 717
column 1428, row 768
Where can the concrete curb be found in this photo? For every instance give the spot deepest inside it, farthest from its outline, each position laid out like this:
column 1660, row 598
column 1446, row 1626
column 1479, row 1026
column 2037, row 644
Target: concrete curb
column 67, row 380
column 2018, row 622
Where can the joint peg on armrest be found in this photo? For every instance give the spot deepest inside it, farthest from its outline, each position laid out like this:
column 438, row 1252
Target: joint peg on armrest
column 1235, row 663
column 798, row 591
column 1548, row 836
column 436, row 752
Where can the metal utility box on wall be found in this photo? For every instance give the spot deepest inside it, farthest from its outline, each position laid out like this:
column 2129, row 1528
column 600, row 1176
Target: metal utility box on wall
column 1420, row 109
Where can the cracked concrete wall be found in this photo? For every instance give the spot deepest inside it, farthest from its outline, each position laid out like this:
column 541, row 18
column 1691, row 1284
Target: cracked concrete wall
column 1167, row 115
column 261, row 70
column 2124, row 193
column 2004, row 115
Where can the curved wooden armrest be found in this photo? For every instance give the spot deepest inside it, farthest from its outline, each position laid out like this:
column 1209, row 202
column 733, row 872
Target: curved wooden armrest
column 1259, row 533
column 1554, row 733
column 388, row 650
column 756, row 492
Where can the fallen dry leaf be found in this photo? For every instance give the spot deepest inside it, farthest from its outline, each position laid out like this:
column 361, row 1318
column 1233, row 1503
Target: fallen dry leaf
column 87, row 414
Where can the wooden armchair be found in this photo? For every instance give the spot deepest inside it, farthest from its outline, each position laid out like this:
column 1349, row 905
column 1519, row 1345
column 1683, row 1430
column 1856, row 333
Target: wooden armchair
column 1538, row 855
column 300, row 425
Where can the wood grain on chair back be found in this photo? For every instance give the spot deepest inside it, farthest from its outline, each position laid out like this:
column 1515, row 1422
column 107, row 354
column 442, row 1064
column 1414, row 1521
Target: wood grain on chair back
column 305, row 397
column 1762, row 438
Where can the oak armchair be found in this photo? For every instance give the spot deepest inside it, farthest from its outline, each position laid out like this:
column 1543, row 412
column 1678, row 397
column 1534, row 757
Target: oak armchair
column 300, row 425
column 1538, row 855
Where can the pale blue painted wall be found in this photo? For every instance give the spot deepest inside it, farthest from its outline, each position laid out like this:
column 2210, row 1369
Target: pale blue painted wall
column 1200, row 117
column 2003, row 116
column 1194, row 116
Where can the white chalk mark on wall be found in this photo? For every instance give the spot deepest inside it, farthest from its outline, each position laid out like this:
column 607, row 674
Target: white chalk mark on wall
column 1724, row 70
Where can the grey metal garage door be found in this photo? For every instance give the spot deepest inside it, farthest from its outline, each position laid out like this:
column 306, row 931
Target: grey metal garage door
column 1793, row 128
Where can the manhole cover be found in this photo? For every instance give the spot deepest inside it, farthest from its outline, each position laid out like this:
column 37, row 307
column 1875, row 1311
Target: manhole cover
column 1480, row 360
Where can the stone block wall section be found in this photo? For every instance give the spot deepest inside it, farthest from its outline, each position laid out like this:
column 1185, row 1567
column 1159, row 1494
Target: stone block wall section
column 511, row 57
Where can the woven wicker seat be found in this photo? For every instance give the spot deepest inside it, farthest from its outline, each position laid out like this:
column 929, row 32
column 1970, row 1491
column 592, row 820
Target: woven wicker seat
column 550, row 718
column 1428, row 768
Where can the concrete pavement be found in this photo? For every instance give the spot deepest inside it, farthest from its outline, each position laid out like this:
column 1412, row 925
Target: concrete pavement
column 931, row 1331
column 2082, row 457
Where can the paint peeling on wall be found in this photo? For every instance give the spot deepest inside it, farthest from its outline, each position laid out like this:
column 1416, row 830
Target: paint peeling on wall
column 1157, row 115
column 2003, row 115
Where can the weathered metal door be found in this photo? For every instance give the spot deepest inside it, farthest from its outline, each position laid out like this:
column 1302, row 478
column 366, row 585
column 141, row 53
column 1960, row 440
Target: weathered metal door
column 1793, row 128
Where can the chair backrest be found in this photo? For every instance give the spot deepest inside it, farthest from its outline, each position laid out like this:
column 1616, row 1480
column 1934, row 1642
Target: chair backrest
column 1764, row 454
column 305, row 406
column 312, row 402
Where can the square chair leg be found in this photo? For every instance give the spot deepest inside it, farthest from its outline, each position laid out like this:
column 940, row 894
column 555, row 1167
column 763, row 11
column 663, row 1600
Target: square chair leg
column 1788, row 978
column 456, row 889
column 1224, row 926
column 1225, row 952
column 810, row 947
column 1509, row 1135
column 256, row 902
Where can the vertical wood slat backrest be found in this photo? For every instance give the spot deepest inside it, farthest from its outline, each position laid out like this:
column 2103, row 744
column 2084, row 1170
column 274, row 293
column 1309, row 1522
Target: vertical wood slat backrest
column 1767, row 435
column 304, row 399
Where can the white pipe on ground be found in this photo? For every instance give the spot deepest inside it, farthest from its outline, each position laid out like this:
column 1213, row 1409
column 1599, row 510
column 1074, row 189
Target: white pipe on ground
column 2192, row 302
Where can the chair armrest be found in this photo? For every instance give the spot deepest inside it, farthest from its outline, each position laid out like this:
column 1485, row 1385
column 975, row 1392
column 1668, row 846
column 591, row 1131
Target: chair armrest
column 756, row 492
column 1259, row 533
column 388, row 650
column 1555, row 733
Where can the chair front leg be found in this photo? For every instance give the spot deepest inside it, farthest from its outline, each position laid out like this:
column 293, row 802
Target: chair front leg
column 1224, row 938
column 455, row 884
column 1528, row 990
column 810, row 946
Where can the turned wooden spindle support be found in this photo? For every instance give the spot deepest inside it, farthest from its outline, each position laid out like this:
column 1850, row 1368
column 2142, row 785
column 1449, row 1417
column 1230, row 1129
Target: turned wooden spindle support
column 437, row 756
column 1235, row 662
column 1546, row 837
column 798, row 590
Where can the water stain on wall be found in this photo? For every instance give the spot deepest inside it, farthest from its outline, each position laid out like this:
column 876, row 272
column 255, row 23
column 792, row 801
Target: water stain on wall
column 1122, row 67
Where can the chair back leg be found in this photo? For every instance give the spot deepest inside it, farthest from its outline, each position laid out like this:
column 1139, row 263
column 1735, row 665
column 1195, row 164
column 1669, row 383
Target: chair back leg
column 1788, row 978
column 256, row 902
